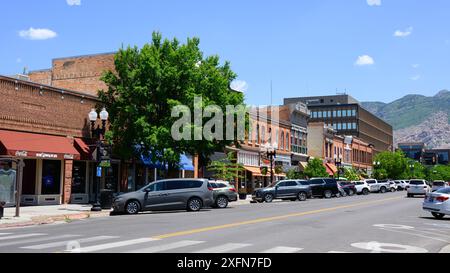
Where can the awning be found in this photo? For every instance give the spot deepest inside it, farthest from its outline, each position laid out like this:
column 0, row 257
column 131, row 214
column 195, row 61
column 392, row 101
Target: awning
column 281, row 175
column 20, row 144
column 331, row 169
column 254, row 170
column 303, row 165
column 86, row 151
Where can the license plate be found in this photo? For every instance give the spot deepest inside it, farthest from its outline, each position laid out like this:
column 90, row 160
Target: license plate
column 431, row 199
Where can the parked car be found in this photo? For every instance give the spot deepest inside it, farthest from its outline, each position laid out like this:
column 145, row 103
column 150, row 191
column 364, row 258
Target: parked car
column 324, row 187
column 284, row 190
column 393, row 186
column 438, row 203
column 417, row 187
column 171, row 194
column 437, row 185
column 378, row 186
column 223, row 193
column 362, row 187
column 401, row 185
column 349, row 188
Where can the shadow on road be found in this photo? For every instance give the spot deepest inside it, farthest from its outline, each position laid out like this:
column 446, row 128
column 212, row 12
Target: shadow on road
column 434, row 219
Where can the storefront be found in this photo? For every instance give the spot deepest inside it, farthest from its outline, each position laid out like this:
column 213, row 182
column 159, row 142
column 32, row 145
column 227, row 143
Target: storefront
column 47, row 175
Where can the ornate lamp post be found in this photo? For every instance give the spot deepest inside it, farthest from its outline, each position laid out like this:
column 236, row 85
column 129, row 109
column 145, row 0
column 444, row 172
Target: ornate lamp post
column 270, row 151
column 98, row 134
column 411, row 168
column 338, row 163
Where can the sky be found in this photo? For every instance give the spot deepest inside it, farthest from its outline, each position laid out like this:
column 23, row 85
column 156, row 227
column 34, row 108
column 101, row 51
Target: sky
column 374, row 50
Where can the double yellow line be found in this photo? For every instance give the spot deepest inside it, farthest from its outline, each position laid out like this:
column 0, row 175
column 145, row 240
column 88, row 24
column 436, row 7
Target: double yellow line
column 268, row 219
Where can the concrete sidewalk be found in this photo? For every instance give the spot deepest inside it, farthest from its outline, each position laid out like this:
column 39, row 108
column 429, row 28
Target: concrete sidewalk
column 38, row 215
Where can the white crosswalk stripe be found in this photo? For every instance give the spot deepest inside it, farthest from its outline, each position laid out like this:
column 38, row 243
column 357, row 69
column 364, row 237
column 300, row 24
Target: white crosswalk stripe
column 167, row 247
column 21, row 236
column 3, row 234
column 65, row 242
column 283, row 249
column 114, row 245
column 30, row 241
column 223, row 248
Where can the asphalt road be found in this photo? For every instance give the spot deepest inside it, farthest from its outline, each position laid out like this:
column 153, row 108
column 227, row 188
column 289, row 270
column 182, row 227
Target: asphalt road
column 376, row 223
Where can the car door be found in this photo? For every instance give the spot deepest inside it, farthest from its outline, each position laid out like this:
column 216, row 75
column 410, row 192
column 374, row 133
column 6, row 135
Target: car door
column 174, row 195
column 155, row 196
column 281, row 190
column 317, row 186
column 292, row 189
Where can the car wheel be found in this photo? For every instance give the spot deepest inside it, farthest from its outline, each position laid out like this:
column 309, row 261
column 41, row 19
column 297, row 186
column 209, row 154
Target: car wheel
column 351, row 192
column 302, row 196
column 222, row 202
column 365, row 192
column 393, row 190
column 132, row 207
column 268, row 198
column 383, row 190
column 438, row 216
column 328, row 194
column 194, row 204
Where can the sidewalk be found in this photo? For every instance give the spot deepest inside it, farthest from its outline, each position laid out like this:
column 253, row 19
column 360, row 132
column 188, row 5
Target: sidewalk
column 38, row 215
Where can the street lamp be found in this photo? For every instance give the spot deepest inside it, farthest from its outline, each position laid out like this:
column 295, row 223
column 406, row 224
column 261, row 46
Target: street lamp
column 99, row 134
column 271, row 152
column 338, row 163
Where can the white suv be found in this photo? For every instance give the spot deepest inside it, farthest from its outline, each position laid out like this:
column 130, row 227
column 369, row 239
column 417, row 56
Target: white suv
column 401, row 185
column 418, row 187
column 362, row 187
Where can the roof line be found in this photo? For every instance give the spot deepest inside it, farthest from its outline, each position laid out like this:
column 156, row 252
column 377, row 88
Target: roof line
column 86, row 55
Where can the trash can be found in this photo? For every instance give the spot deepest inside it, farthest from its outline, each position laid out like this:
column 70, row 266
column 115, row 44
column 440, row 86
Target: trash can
column 106, row 199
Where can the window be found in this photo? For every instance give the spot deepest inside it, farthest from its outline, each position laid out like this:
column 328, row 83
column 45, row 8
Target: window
column 354, row 125
column 349, row 113
column 282, row 184
column 316, row 182
column 287, row 141
column 353, row 113
column 339, row 126
column 282, row 141
column 314, row 114
column 79, row 177
column 160, row 186
column 334, row 113
column 320, row 114
column 263, row 135
column 344, row 126
column 291, row 184
column 51, row 177
column 339, row 113
column 344, row 113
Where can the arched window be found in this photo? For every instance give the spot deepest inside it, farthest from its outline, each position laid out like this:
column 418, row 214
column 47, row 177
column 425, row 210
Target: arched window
column 263, row 135
column 282, row 141
column 257, row 133
column 287, row 142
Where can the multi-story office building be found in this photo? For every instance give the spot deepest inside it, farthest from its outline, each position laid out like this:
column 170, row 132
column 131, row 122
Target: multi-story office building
column 419, row 152
column 346, row 115
column 413, row 150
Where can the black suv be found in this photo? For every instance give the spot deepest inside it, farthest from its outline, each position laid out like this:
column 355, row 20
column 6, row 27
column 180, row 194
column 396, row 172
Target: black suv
column 285, row 190
column 324, row 187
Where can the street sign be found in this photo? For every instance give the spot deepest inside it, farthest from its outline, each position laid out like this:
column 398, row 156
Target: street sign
column 99, row 171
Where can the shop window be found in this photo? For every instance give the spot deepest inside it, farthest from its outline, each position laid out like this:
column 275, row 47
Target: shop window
column 29, row 177
column 51, row 177
column 79, row 177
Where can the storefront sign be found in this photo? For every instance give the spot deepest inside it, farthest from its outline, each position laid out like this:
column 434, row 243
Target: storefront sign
column 45, row 155
column 21, row 153
column 99, row 171
column 70, row 157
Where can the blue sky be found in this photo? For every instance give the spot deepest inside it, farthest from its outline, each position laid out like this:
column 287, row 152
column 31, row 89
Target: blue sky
column 303, row 47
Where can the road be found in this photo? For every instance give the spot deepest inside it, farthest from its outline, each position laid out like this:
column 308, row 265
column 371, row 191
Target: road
column 376, row 223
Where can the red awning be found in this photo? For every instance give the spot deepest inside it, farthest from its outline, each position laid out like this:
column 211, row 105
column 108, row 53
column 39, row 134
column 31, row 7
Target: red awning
column 35, row 145
column 84, row 148
column 331, row 169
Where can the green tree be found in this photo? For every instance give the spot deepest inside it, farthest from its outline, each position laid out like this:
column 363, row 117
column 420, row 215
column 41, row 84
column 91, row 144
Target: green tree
column 439, row 172
column 145, row 86
column 293, row 174
column 351, row 175
column 391, row 165
column 227, row 169
column 316, row 168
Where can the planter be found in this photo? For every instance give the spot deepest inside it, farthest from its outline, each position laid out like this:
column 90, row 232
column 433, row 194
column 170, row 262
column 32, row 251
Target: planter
column 242, row 196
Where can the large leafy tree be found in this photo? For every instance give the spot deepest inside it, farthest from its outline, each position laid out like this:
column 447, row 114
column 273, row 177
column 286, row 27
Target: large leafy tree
column 316, row 168
column 145, row 86
column 227, row 169
column 393, row 165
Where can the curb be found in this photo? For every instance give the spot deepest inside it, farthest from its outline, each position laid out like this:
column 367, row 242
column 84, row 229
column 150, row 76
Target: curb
column 45, row 220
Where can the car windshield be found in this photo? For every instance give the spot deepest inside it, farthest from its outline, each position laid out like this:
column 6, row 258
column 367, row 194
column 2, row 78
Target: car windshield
column 439, row 184
column 316, row 182
column 416, row 182
column 370, row 182
column 444, row 191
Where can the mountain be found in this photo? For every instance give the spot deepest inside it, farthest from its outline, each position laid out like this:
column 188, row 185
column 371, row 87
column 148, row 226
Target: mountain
column 417, row 118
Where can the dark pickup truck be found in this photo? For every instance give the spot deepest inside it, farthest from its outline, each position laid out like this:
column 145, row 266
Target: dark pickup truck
column 285, row 190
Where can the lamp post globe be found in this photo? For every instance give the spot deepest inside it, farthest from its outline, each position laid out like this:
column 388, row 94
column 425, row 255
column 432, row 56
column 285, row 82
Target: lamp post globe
column 93, row 115
column 104, row 115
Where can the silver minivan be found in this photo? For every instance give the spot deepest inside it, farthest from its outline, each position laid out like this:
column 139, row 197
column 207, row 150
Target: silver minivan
column 171, row 194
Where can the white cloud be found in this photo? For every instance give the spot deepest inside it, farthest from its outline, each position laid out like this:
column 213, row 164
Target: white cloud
column 239, row 85
column 364, row 60
column 415, row 65
column 374, row 2
column 73, row 2
column 415, row 78
column 403, row 34
column 37, row 34
column 18, row 60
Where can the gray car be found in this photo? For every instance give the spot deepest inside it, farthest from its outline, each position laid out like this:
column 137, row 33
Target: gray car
column 224, row 193
column 285, row 190
column 171, row 194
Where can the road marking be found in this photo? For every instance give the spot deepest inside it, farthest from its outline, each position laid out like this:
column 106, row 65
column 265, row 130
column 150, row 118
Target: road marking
column 112, row 245
column 269, row 219
column 445, row 249
column 30, row 241
column 393, row 226
column 64, row 243
column 377, row 247
column 167, row 247
column 283, row 249
column 3, row 234
column 223, row 248
column 22, row 236
column 419, row 235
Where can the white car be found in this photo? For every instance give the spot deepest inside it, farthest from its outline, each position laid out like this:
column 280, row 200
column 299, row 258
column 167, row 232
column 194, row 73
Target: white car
column 378, row 186
column 362, row 187
column 401, row 185
column 437, row 185
column 438, row 203
column 393, row 186
column 418, row 187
